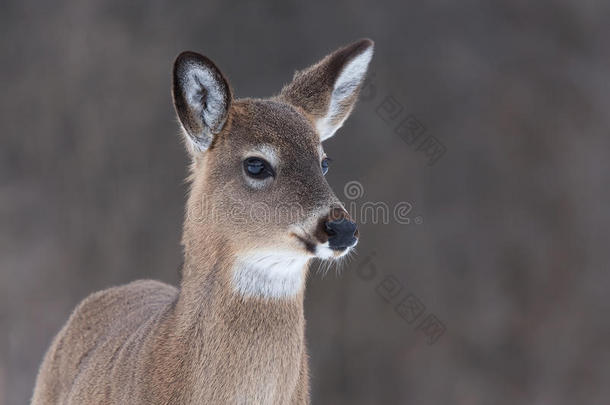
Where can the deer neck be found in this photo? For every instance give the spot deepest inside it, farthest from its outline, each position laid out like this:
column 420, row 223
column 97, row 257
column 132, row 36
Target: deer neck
column 214, row 279
column 218, row 329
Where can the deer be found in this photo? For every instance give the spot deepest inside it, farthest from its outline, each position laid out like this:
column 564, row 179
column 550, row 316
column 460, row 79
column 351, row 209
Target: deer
column 233, row 331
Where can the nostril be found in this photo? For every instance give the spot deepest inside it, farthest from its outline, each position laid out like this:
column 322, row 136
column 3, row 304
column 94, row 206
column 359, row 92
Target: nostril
column 342, row 233
column 342, row 226
column 328, row 228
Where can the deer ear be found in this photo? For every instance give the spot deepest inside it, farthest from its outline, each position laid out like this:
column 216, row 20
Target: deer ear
column 328, row 90
column 202, row 98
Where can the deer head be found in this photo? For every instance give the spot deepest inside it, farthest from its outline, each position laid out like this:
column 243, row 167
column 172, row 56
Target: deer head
column 258, row 191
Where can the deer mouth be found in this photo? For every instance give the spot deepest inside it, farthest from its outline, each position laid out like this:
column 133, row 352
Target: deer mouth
column 324, row 250
column 327, row 251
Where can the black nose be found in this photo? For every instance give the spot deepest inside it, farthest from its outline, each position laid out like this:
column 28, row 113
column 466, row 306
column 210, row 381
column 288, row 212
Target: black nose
column 341, row 233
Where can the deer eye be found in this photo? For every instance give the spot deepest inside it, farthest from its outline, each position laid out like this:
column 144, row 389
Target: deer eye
column 258, row 168
column 325, row 163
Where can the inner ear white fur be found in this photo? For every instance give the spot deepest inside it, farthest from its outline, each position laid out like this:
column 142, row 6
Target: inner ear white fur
column 202, row 98
column 346, row 84
column 205, row 96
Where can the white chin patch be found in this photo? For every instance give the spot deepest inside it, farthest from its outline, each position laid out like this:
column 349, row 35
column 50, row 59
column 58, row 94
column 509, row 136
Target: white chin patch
column 269, row 274
column 325, row 252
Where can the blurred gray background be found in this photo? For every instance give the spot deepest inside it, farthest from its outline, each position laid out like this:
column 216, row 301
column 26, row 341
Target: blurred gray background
column 511, row 254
